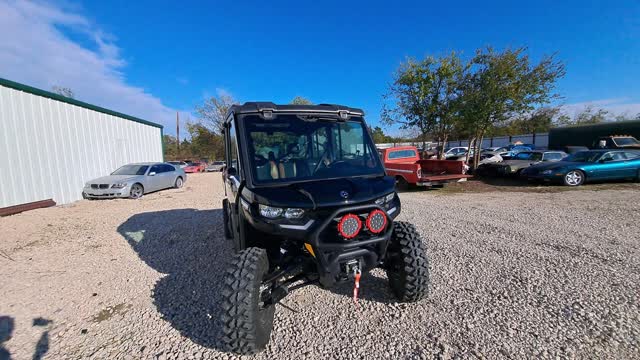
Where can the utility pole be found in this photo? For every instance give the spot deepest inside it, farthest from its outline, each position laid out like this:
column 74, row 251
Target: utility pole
column 178, row 135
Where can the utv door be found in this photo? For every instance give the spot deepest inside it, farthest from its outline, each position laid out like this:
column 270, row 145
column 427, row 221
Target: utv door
column 232, row 177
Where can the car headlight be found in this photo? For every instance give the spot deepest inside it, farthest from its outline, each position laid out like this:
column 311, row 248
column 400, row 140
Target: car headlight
column 547, row 172
column 118, row 185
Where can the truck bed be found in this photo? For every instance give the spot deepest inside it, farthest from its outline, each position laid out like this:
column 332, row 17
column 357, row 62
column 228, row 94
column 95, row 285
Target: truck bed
column 441, row 170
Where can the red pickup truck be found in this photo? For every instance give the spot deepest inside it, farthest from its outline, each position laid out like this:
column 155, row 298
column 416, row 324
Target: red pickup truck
column 405, row 165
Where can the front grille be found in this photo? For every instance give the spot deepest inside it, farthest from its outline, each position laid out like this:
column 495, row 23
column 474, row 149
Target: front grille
column 99, row 186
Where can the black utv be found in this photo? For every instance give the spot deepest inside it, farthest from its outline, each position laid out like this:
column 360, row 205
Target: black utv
column 307, row 202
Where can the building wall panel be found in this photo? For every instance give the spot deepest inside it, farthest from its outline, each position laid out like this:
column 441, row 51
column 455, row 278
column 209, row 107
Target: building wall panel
column 50, row 148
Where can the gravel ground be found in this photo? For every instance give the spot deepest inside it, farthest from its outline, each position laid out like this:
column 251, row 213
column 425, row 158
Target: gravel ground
column 514, row 275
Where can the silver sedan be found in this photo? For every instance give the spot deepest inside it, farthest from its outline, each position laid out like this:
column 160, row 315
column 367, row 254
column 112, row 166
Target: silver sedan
column 135, row 180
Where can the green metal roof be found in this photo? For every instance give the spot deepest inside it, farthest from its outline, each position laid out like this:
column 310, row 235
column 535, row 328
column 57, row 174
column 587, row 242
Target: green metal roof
column 50, row 95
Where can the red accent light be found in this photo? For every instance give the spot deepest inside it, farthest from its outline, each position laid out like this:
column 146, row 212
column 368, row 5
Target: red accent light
column 376, row 221
column 349, row 226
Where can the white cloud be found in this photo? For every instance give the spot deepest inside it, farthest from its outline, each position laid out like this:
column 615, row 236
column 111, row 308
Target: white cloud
column 34, row 51
column 615, row 107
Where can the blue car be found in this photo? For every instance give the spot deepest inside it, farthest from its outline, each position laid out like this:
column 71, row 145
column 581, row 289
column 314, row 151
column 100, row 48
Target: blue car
column 592, row 165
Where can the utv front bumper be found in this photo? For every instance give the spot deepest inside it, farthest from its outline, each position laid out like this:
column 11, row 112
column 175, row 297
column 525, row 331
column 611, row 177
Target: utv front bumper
column 330, row 251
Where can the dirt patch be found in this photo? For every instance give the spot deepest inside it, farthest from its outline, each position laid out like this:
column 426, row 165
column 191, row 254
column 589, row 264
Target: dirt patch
column 110, row 312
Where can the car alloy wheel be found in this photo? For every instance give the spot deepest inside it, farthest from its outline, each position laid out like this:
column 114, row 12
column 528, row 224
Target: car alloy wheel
column 574, row 178
column 136, row 191
column 179, row 183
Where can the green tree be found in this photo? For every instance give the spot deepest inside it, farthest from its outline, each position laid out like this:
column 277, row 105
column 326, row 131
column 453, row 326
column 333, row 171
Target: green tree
column 538, row 121
column 425, row 95
column 204, row 142
column 213, row 112
column 590, row 116
column 299, row 100
column 503, row 85
column 379, row 137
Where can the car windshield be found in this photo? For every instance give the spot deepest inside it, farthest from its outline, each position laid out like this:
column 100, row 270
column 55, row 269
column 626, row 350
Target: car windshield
column 529, row 156
column 290, row 148
column 218, row 163
column 584, row 156
column 626, row 141
column 131, row 170
column 174, row 162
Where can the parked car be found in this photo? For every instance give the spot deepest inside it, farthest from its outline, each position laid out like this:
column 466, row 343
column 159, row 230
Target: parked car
column 592, row 165
column 519, row 162
column 194, row 167
column 215, row 166
column 404, row 164
column 455, row 152
column 180, row 164
column 135, row 180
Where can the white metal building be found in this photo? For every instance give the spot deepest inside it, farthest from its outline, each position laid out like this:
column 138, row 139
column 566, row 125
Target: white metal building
column 50, row 145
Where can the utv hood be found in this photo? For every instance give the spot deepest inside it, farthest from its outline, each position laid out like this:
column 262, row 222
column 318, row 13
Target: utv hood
column 335, row 192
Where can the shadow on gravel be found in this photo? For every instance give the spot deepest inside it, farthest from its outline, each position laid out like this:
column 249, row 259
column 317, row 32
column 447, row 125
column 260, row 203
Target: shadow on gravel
column 187, row 245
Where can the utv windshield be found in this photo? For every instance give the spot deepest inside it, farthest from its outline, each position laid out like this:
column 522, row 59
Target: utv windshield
column 289, row 148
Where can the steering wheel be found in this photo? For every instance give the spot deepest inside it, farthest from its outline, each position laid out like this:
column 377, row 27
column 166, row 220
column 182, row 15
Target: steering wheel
column 325, row 156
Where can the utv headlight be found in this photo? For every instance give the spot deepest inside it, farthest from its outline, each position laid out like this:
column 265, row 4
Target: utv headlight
column 118, row 185
column 385, row 199
column 270, row 211
column 293, row 213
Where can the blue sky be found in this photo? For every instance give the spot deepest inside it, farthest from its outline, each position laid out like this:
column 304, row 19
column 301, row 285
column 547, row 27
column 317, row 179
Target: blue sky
column 151, row 58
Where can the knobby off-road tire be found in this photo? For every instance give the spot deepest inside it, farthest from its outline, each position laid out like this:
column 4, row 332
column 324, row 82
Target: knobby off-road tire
column 225, row 219
column 247, row 323
column 407, row 264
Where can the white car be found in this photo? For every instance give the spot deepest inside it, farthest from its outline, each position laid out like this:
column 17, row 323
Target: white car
column 180, row 164
column 456, row 152
column 135, row 180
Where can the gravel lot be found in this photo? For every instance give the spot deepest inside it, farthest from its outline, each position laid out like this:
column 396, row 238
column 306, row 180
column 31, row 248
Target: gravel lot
column 516, row 274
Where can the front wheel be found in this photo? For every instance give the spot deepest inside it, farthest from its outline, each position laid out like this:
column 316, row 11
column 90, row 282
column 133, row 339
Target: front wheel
column 407, row 264
column 247, row 320
column 179, row 183
column 136, row 191
column 574, row 178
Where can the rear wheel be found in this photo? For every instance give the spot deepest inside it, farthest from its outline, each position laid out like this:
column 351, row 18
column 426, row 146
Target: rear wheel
column 574, row 178
column 247, row 320
column 136, row 191
column 407, row 264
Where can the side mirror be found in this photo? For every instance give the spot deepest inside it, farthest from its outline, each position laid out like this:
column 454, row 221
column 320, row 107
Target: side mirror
column 605, row 160
column 231, row 171
column 153, row 173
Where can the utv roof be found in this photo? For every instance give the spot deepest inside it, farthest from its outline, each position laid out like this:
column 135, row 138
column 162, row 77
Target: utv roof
column 262, row 107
